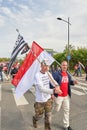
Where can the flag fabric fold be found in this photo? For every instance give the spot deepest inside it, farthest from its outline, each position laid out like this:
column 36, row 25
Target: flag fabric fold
column 24, row 79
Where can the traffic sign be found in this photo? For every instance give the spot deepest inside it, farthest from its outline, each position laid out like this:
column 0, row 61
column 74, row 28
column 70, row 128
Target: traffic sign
column 68, row 57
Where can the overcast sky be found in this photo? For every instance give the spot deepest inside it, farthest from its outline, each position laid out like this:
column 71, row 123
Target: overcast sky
column 37, row 21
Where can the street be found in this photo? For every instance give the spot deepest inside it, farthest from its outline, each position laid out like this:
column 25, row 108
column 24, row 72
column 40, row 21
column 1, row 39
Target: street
column 16, row 114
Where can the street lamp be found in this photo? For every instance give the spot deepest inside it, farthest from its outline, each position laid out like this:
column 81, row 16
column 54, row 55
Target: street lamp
column 68, row 23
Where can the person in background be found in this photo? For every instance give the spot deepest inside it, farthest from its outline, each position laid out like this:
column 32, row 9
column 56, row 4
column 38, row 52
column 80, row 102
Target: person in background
column 75, row 70
column 53, row 70
column 86, row 72
column 1, row 69
column 80, row 66
column 43, row 101
column 63, row 78
column 14, row 71
column 57, row 68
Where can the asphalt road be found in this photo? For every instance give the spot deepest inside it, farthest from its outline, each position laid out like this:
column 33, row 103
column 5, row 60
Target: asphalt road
column 17, row 114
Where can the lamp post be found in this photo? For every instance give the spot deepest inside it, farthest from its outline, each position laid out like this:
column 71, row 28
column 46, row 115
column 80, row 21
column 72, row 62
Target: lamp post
column 68, row 23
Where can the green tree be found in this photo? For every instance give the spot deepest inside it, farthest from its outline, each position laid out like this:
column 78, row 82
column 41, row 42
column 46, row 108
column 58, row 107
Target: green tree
column 76, row 55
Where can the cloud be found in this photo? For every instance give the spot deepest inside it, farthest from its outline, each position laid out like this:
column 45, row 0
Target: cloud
column 2, row 21
column 37, row 20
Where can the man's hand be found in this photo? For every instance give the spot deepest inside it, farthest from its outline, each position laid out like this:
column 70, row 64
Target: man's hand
column 75, row 82
column 57, row 90
column 52, row 96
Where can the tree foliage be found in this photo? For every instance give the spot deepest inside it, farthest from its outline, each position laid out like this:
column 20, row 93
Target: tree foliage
column 76, row 55
column 4, row 59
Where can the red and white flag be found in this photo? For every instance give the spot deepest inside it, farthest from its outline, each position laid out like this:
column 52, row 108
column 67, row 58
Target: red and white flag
column 24, row 79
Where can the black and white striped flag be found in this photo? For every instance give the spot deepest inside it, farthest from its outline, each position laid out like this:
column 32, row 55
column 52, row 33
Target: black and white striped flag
column 20, row 45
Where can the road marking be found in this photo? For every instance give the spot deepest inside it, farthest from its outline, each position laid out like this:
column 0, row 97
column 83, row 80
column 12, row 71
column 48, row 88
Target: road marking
column 77, row 92
column 85, row 84
column 80, row 78
column 81, row 87
column 0, row 92
column 21, row 100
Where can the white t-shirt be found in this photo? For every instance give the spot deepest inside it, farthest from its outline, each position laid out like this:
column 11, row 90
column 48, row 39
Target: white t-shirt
column 43, row 91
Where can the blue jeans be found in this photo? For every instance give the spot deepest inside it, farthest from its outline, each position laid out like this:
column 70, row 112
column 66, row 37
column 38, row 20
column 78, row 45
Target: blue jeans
column 80, row 72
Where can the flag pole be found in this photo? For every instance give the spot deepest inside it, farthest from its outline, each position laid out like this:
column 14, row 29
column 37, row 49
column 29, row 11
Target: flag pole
column 20, row 46
column 18, row 31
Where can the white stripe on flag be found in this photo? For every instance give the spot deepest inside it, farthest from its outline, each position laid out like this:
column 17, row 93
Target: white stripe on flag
column 27, row 80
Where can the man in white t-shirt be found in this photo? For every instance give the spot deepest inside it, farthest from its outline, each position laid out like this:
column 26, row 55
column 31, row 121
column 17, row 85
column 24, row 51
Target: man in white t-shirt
column 43, row 101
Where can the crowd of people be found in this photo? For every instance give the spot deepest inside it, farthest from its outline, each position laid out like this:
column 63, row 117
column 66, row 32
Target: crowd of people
column 4, row 71
column 77, row 70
